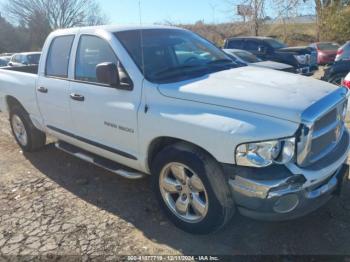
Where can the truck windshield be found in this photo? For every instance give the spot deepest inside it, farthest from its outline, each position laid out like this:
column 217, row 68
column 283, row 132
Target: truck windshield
column 275, row 44
column 170, row 55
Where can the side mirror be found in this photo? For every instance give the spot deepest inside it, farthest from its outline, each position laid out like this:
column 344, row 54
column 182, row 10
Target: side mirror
column 107, row 73
column 10, row 64
column 262, row 50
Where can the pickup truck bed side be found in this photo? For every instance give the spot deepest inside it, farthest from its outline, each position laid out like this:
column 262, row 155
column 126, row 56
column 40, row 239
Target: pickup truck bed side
column 12, row 82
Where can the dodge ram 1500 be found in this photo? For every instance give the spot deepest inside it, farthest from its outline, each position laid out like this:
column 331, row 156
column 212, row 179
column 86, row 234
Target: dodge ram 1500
column 215, row 136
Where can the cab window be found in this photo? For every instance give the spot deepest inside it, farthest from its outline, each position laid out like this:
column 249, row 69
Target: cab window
column 58, row 57
column 92, row 51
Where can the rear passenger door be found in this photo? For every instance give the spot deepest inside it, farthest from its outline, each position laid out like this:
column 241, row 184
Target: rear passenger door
column 53, row 86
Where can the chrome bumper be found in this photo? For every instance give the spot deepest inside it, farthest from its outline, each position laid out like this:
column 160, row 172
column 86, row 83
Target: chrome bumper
column 288, row 192
column 287, row 200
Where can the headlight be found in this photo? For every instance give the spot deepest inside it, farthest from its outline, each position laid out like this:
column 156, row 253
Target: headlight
column 263, row 154
column 301, row 59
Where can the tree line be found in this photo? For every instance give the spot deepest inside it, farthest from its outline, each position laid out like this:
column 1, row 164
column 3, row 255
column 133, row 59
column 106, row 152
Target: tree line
column 28, row 22
column 332, row 16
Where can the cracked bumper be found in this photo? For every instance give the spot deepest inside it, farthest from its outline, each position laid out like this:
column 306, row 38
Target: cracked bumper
column 287, row 200
column 287, row 192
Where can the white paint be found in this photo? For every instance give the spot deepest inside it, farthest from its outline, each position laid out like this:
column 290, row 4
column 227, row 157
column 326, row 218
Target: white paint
column 216, row 112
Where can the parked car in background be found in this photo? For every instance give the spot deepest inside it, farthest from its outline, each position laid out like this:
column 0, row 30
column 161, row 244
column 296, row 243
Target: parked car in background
column 346, row 81
column 343, row 52
column 337, row 72
column 248, row 58
column 326, row 52
column 3, row 62
column 6, row 54
column 6, row 58
column 22, row 59
column 304, row 59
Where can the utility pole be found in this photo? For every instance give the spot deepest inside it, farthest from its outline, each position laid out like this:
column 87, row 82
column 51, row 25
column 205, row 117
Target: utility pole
column 256, row 18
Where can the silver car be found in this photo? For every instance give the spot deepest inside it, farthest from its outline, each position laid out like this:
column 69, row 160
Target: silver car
column 343, row 52
column 24, row 59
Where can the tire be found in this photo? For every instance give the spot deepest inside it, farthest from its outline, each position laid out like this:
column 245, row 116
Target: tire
column 32, row 139
column 216, row 196
column 337, row 79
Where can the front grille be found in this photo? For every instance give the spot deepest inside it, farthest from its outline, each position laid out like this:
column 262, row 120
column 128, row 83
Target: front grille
column 321, row 135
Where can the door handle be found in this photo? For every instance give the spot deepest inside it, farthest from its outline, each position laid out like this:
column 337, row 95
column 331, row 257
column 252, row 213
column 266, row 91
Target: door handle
column 77, row 97
column 43, row 90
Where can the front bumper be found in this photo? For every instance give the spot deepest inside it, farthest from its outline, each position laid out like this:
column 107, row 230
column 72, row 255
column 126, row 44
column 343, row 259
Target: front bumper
column 287, row 192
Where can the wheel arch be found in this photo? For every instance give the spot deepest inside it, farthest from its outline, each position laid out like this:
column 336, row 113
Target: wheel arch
column 159, row 143
column 12, row 102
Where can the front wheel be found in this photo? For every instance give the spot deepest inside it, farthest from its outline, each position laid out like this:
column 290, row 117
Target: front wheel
column 192, row 189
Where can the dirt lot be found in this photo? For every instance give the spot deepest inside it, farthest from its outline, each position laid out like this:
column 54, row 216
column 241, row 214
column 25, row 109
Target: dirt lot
column 53, row 203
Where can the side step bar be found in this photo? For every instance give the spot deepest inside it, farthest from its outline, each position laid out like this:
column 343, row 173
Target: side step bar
column 99, row 161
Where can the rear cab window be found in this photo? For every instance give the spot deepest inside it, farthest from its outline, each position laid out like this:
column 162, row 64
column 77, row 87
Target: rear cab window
column 57, row 61
column 234, row 44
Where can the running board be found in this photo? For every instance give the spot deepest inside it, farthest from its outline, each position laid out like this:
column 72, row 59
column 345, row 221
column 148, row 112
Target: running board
column 99, row 161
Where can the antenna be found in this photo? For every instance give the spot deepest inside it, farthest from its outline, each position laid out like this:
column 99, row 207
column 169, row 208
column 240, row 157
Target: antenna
column 141, row 39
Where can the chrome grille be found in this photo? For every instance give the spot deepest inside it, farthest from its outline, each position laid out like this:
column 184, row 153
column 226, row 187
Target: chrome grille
column 323, row 127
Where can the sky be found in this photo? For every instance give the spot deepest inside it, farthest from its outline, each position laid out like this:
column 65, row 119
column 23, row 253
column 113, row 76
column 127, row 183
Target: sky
column 158, row 11
column 174, row 11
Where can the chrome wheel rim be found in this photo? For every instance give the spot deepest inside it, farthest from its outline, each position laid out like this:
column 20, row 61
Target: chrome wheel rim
column 184, row 192
column 19, row 130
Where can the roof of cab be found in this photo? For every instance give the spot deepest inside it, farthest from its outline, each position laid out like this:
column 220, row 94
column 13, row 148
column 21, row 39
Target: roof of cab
column 111, row 28
column 251, row 37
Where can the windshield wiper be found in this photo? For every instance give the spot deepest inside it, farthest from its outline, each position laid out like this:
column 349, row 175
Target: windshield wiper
column 220, row 61
column 178, row 71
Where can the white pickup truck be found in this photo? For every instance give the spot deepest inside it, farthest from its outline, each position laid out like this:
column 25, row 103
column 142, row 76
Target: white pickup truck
column 162, row 101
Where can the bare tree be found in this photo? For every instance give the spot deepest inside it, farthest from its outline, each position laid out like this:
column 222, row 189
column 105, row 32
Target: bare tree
column 255, row 12
column 59, row 13
column 285, row 10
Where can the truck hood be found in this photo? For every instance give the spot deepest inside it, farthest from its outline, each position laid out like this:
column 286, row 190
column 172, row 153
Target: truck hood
column 272, row 65
column 297, row 50
column 262, row 91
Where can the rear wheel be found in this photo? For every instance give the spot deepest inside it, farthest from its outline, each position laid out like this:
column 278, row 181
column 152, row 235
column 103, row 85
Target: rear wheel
column 191, row 189
column 28, row 137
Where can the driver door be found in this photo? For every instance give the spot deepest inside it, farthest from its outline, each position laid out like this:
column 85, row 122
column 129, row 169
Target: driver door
column 104, row 117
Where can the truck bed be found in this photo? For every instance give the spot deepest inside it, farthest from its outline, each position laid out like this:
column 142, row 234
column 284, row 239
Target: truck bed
column 20, row 83
column 31, row 69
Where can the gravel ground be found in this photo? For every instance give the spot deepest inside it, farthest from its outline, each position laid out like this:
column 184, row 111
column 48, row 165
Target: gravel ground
column 52, row 203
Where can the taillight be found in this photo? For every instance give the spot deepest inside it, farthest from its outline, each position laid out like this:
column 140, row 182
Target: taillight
column 346, row 81
column 340, row 51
